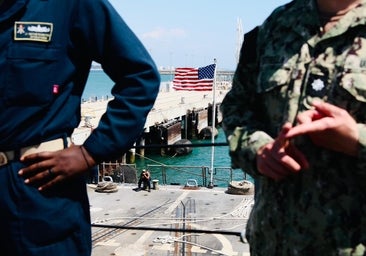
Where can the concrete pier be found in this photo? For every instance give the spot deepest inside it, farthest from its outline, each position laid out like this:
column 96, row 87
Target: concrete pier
column 190, row 109
column 169, row 105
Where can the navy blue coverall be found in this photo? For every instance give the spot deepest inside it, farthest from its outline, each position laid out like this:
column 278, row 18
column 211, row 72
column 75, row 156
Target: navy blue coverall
column 46, row 50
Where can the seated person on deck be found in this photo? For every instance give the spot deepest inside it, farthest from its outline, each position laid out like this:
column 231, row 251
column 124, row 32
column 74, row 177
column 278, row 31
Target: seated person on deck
column 145, row 179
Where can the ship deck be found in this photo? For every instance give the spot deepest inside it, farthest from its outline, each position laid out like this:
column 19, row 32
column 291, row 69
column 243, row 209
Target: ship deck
column 171, row 220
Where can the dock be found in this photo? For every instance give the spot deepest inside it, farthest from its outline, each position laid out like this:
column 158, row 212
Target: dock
column 170, row 220
column 189, row 111
column 168, row 105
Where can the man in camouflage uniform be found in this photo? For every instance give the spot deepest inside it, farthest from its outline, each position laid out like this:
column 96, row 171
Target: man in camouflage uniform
column 295, row 121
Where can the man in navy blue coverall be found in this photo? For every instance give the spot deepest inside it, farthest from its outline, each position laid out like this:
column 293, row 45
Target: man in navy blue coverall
column 47, row 47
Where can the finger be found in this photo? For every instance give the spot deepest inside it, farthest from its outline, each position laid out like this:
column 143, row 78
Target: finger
column 299, row 157
column 31, row 169
column 36, row 156
column 51, row 183
column 285, row 128
column 281, row 141
column 276, row 165
column 305, row 128
column 282, row 158
column 273, row 171
column 276, row 170
column 37, row 166
column 290, row 164
column 327, row 108
column 40, row 177
column 308, row 116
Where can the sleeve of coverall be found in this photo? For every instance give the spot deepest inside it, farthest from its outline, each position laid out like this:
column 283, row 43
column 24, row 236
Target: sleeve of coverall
column 241, row 115
column 126, row 61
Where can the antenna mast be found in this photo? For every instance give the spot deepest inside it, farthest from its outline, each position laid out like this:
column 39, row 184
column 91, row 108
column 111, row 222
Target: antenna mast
column 240, row 38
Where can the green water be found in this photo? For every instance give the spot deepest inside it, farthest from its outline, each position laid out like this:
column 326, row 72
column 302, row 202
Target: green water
column 196, row 165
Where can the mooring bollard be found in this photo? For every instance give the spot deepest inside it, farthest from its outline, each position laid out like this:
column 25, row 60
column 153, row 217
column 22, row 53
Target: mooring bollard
column 155, row 184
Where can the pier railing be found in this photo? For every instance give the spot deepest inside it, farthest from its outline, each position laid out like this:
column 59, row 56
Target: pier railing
column 179, row 175
column 169, row 174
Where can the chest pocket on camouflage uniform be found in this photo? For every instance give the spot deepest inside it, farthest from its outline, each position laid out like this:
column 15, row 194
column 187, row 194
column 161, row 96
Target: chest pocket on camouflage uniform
column 352, row 70
column 273, row 80
column 350, row 93
column 273, row 74
column 353, row 76
column 355, row 84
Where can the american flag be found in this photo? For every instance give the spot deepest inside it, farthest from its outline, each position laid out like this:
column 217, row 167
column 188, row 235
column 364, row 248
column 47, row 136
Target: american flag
column 194, row 79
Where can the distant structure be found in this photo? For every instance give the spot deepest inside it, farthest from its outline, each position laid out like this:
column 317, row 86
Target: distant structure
column 240, row 38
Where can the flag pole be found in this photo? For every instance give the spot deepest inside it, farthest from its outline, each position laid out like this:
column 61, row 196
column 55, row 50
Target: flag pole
column 213, row 125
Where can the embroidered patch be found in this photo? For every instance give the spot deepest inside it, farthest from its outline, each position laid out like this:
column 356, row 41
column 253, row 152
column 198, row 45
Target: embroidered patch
column 317, row 85
column 33, row 31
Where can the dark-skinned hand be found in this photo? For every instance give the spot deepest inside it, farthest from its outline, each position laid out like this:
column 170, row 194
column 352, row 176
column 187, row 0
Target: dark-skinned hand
column 47, row 169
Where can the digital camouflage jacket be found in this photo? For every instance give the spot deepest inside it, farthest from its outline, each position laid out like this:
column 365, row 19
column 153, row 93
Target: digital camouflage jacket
column 285, row 63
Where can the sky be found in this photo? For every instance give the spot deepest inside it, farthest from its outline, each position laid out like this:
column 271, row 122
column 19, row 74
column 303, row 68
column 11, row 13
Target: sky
column 192, row 33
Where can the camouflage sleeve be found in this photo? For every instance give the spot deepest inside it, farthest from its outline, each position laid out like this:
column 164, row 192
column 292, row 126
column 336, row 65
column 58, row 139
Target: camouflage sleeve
column 241, row 114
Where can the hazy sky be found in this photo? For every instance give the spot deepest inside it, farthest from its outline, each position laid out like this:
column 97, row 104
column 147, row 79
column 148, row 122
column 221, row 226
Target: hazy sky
column 192, row 33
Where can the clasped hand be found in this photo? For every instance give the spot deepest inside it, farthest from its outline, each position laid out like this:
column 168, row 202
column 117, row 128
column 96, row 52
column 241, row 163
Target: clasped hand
column 326, row 125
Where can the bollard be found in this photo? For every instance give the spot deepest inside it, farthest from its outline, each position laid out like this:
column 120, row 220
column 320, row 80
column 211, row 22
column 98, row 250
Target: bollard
column 155, row 184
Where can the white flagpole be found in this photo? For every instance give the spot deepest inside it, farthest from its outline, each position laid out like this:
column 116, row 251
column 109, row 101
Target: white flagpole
column 211, row 185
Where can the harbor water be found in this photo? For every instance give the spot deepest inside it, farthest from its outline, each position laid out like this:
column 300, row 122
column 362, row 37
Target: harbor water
column 198, row 165
column 99, row 85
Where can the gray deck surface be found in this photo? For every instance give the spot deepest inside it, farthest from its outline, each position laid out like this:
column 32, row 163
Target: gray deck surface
column 169, row 207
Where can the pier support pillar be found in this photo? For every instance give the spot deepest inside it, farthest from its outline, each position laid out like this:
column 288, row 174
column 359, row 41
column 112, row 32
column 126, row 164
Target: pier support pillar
column 132, row 155
column 142, row 148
